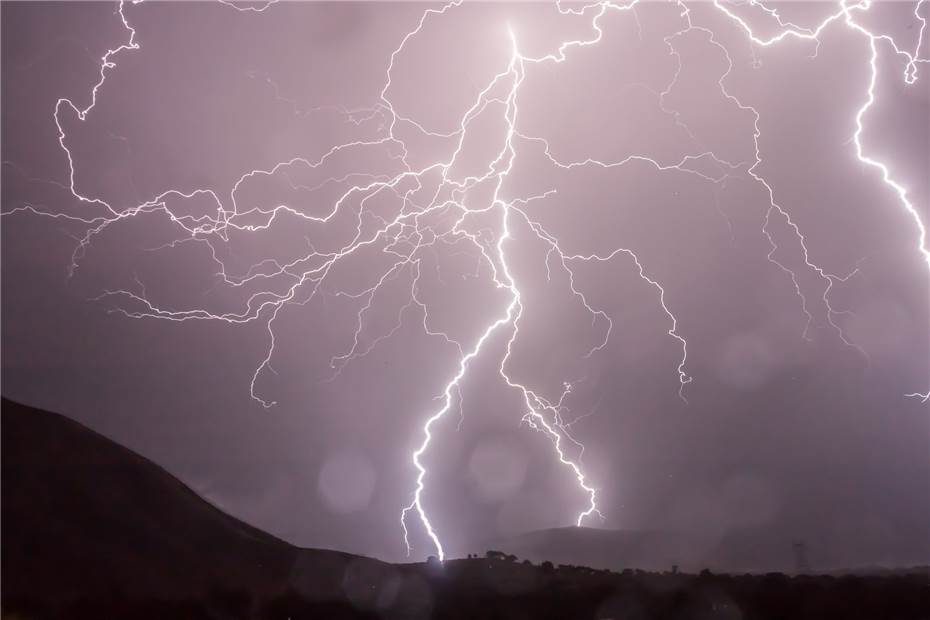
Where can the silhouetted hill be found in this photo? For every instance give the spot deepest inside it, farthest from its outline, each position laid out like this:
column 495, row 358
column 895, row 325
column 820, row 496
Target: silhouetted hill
column 92, row 531
column 83, row 516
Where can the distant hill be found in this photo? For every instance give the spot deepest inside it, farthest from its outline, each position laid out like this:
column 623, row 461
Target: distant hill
column 84, row 517
column 738, row 552
column 92, row 531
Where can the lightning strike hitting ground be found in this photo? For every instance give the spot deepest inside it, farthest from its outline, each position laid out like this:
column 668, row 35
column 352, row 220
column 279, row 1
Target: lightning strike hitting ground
column 404, row 238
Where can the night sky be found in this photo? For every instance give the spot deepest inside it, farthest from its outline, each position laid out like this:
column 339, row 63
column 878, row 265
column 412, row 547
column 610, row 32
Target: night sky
column 795, row 422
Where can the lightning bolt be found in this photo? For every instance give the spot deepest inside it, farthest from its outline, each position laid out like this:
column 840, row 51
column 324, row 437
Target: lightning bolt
column 432, row 211
column 845, row 14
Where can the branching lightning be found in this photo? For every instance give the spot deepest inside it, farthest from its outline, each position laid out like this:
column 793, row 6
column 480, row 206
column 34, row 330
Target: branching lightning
column 420, row 226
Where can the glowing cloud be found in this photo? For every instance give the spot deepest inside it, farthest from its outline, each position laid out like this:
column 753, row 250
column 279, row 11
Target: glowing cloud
column 413, row 228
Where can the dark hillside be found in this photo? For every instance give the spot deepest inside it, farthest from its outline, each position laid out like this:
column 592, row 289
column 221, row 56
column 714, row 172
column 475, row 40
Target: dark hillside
column 82, row 514
column 92, row 531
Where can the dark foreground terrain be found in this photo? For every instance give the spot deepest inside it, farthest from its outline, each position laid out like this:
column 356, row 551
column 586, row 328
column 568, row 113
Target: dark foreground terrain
column 91, row 530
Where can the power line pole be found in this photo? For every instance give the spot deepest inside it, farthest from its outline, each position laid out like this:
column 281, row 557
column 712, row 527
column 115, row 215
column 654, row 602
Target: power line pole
column 801, row 565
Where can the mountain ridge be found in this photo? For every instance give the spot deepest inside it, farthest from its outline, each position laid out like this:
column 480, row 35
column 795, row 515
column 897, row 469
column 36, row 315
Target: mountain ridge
column 85, row 516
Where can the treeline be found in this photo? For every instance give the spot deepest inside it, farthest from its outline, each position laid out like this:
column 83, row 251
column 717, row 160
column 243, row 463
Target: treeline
column 501, row 587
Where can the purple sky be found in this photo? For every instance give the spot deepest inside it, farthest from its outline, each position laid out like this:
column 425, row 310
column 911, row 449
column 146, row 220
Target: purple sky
column 800, row 438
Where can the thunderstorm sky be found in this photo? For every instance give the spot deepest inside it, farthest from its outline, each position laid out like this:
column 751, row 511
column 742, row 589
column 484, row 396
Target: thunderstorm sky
column 259, row 251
